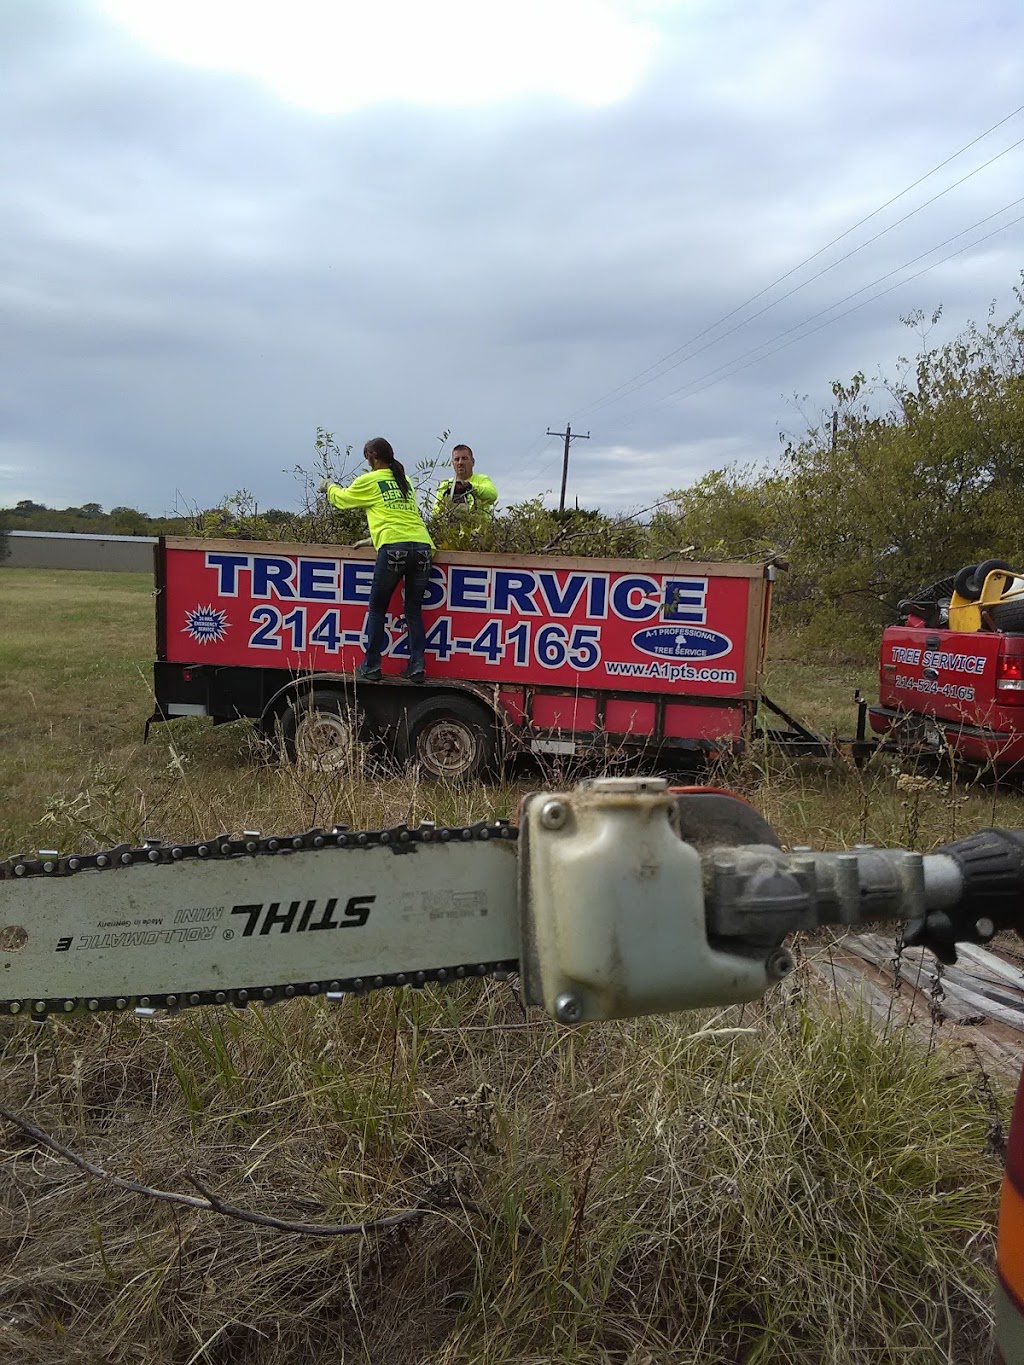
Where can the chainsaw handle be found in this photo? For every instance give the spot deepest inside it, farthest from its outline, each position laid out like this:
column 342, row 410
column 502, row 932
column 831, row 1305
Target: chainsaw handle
column 976, row 889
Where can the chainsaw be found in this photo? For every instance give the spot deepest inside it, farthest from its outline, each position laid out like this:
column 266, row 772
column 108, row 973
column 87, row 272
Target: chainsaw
column 621, row 897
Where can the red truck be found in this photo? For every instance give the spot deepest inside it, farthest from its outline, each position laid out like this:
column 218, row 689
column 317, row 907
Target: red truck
column 548, row 654
column 951, row 673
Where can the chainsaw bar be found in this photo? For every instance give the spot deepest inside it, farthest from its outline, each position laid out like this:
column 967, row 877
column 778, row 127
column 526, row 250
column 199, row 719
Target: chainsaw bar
column 325, row 912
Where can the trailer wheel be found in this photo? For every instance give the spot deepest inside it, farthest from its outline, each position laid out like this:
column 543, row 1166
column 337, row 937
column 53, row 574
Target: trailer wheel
column 326, row 730
column 450, row 738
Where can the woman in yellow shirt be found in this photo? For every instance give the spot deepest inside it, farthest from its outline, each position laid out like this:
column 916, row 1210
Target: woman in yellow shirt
column 404, row 552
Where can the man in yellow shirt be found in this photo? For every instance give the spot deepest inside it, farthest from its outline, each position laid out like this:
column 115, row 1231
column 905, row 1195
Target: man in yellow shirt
column 404, row 552
column 475, row 492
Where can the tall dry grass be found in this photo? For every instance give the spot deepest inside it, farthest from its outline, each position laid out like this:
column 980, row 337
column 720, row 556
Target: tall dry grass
column 783, row 1183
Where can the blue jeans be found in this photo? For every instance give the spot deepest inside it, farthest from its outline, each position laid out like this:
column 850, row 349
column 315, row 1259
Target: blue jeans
column 409, row 560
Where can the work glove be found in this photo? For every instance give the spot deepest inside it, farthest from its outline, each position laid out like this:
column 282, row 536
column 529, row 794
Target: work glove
column 362, row 544
column 325, row 483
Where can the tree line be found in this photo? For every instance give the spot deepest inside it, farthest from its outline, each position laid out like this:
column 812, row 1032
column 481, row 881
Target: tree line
column 91, row 519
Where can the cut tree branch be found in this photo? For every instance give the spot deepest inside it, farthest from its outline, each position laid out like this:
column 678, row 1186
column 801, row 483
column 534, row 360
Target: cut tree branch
column 433, row 1200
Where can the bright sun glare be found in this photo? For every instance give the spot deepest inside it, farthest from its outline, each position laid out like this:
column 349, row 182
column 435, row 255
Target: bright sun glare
column 331, row 56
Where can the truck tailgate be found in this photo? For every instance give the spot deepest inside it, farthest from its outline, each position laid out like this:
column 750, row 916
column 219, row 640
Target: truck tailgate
column 947, row 674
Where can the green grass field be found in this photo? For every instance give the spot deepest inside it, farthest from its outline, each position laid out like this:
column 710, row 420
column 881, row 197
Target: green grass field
column 783, row 1183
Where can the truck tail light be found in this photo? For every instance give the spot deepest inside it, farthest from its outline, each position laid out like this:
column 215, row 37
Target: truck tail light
column 1010, row 677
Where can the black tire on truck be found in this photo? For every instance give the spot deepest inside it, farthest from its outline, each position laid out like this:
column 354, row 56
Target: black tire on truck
column 1008, row 616
column 325, row 729
column 450, row 738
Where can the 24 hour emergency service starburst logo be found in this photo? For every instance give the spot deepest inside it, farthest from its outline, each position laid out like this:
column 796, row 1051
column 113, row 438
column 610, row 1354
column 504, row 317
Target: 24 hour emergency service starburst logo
column 206, row 625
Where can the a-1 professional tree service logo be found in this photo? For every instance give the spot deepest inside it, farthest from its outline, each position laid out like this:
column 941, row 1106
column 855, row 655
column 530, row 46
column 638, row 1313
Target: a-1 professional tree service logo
column 206, row 625
column 676, row 642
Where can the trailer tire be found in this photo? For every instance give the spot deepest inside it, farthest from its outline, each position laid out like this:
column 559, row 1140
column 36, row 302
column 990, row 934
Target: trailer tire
column 325, row 729
column 450, row 739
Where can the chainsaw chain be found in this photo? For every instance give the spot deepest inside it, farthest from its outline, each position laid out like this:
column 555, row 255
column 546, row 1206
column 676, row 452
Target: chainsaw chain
column 399, row 839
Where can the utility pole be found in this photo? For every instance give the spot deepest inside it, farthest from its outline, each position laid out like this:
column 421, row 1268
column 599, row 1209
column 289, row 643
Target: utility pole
column 566, row 436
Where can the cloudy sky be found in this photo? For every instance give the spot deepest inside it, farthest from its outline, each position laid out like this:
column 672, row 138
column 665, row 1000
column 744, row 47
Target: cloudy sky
column 228, row 222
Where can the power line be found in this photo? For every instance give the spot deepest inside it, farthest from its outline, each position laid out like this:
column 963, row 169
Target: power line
column 760, row 294
column 701, row 387
column 534, row 451
column 810, row 280
column 713, row 326
column 864, row 302
column 821, row 250
column 881, row 279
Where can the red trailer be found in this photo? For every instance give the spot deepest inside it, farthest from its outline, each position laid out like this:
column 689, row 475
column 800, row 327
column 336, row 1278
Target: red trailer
column 549, row 654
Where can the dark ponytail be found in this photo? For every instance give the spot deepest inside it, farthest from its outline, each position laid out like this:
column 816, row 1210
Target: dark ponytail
column 382, row 450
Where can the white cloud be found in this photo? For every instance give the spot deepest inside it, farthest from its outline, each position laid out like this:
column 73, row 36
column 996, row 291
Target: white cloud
column 331, row 56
